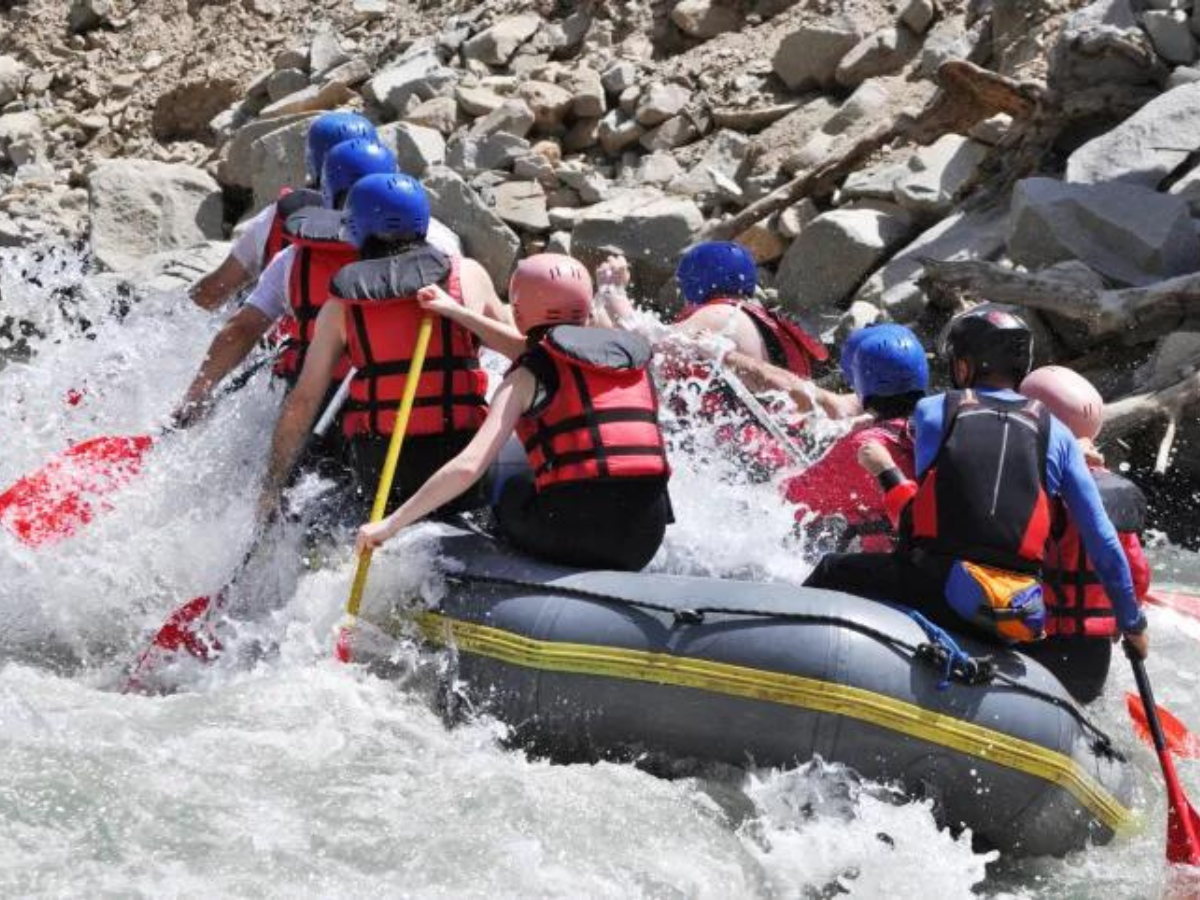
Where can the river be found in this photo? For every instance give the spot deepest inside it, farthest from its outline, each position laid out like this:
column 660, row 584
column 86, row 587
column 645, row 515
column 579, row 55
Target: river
column 300, row 777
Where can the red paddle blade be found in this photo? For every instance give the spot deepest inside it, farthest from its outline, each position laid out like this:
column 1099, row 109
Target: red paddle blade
column 55, row 501
column 1186, row 604
column 343, row 650
column 186, row 631
column 1183, row 825
column 1180, row 740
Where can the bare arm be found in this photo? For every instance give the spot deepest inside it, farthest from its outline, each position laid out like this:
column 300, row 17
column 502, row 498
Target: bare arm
column 231, row 345
column 514, row 396
column 763, row 376
column 220, row 284
column 481, row 311
column 302, row 404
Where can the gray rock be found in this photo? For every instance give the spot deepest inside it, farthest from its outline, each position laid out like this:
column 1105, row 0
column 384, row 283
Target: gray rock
column 705, row 19
column 727, row 157
column 947, row 40
column 549, row 102
column 559, row 242
column 675, row 132
column 139, row 207
column 292, row 58
column 86, row 15
column 917, row 15
column 618, row 131
column 1186, row 188
column 185, row 110
column 590, row 185
column 535, row 167
column 351, row 73
column 21, row 138
column 522, row 204
column 1125, row 232
column 656, row 169
column 369, row 10
column 277, row 161
column 467, row 154
column 285, row 82
column 875, row 183
column 661, row 102
column 417, row 148
column 12, row 79
column 512, row 117
column 590, row 101
column 791, row 221
column 992, row 130
column 1094, row 49
column 619, row 76
column 884, row 52
column 439, row 113
column 650, row 229
column 974, row 235
column 582, row 135
column 237, row 168
column 267, row 8
column 484, row 236
column 325, row 52
column 864, row 105
column 418, row 73
column 1181, row 75
column 938, row 173
column 496, row 45
column 809, row 56
column 314, row 98
column 1170, row 35
column 1146, row 147
column 476, row 100
column 834, row 253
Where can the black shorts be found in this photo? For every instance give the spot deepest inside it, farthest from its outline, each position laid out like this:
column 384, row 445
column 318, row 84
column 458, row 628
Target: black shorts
column 420, row 457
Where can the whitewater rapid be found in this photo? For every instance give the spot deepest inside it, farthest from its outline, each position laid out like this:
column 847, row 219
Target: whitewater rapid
column 295, row 776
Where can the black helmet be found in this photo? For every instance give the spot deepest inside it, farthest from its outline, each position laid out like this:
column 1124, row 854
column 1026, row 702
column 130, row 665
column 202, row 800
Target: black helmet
column 992, row 339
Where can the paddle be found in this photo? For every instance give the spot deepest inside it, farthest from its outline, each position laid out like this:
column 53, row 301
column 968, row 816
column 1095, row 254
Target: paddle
column 1179, row 739
column 1183, row 824
column 1185, row 604
column 187, row 628
column 342, row 650
column 61, row 497
column 764, row 418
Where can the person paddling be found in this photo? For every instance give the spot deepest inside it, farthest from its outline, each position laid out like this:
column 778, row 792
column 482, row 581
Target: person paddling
column 1081, row 625
column 886, row 366
column 263, row 237
column 584, row 406
column 974, row 527
column 372, row 317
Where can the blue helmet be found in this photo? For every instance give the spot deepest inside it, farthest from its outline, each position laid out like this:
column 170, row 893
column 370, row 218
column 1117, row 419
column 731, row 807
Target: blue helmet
column 888, row 360
column 326, row 132
column 394, row 207
column 849, row 352
column 716, row 269
column 348, row 162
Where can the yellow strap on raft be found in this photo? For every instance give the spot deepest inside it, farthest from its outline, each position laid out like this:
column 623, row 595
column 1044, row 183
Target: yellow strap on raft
column 791, row 690
column 388, row 475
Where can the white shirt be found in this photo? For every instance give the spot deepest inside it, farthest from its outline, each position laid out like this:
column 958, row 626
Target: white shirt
column 249, row 246
column 270, row 295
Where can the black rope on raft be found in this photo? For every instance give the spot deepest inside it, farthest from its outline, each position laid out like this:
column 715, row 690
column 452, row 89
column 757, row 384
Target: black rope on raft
column 963, row 669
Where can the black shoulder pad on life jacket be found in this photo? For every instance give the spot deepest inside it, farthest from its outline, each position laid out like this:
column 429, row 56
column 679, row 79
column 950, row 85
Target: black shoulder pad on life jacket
column 392, row 276
column 1123, row 501
column 314, row 223
column 294, row 201
column 606, row 348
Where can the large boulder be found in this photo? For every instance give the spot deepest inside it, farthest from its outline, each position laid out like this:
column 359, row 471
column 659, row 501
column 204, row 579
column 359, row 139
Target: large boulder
column 1102, row 43
column 834, row 253
column 651, row 229
column 12, row 79
column 1127, row 233
column 1146, row 147
column 417, row 148
column 139, row 207
column 705, row 19
column 237, row 167
column 277, row 161
column 979, row 234
column 185, row 111
column 938, row 173
column 418, row 73
column 809, row 56
column 484, row 236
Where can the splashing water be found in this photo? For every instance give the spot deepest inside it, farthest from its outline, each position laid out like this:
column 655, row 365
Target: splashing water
column 299, row 777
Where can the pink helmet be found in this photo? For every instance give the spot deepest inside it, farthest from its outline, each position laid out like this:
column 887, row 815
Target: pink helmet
column 550, row 289
column 1070, row 396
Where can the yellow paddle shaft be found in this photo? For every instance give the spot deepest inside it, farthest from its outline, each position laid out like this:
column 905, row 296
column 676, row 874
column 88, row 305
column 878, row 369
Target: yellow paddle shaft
column 392, row 459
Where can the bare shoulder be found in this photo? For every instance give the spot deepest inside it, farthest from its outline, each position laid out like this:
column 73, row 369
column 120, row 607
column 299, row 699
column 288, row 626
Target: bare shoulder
column 479, row 293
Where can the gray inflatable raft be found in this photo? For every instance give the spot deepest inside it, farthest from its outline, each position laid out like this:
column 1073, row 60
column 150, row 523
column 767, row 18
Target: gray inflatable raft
column 587, row 665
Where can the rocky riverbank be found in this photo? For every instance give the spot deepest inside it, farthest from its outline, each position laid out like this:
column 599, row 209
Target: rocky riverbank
column 884, row 160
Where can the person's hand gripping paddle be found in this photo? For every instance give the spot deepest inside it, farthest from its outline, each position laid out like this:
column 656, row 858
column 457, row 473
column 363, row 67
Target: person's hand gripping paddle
column 343, row 649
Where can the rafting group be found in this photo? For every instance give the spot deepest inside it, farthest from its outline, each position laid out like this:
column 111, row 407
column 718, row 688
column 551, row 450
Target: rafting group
column 986, row 507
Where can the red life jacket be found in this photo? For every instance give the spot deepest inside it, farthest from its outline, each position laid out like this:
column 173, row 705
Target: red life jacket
column 788, row 345
column 983, row 498
column 315, row 232
column 289, row 202
column 382, row 319
column 1077, row 604
column 601, row 419
column 870, row 524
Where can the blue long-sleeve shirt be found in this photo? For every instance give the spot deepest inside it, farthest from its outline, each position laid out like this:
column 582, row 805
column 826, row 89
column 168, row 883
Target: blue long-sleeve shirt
column 1067, row 476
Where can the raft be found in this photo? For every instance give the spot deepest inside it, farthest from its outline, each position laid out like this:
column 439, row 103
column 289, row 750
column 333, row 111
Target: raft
column 611, row 665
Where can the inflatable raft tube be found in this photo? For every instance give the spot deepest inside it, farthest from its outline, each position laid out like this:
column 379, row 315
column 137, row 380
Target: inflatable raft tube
column 588, row 665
